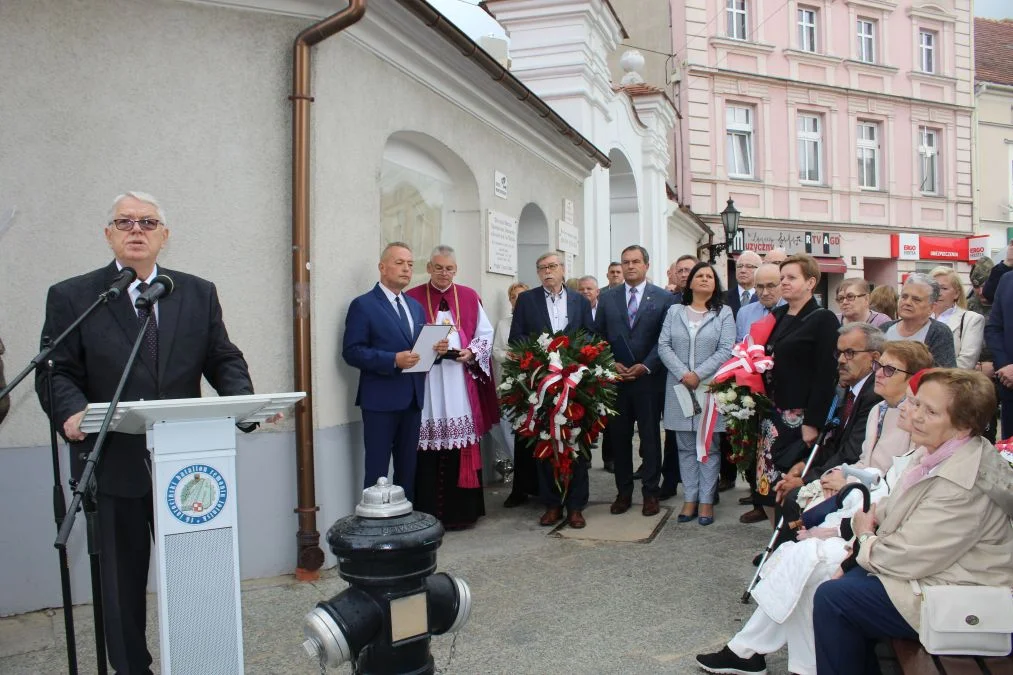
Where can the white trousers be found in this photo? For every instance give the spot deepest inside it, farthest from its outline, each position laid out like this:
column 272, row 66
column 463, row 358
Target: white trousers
column 763, row 635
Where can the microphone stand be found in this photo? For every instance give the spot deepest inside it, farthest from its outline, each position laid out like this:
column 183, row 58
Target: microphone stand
column 41, row 357
column 59, row 509
column 87, row 487
column 831, row 423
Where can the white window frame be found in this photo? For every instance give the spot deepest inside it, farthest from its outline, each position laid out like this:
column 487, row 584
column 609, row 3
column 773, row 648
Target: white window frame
column 807, row 40
column 927, row 51
column 868, row 147
column 865, row 31
column 809, row 138
column 737, row 24
column 928, row 161
column 737, row 129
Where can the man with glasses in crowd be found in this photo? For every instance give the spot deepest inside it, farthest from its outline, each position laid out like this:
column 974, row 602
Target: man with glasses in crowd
column 185, row 339
column 550, row 308
column 858, row 345
column 678, row 273
column 745, row 270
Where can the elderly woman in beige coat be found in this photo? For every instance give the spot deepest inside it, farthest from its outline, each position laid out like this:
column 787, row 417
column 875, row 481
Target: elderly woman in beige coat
column 947, row 522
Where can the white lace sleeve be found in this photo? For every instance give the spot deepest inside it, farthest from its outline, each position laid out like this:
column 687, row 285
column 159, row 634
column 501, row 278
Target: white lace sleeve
column 481, row 344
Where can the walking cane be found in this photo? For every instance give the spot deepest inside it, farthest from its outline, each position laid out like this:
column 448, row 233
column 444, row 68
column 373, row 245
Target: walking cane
column 827, row 426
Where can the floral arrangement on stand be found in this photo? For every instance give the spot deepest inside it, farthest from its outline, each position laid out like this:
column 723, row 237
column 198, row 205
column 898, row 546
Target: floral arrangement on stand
column 559, row 390
column 1005, row 448
column 737, row 392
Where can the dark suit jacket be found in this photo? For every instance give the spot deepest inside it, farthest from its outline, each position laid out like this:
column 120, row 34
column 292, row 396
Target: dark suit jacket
column 192, row 341
column 804, row 371
column 999, row 335
column 612, row 324
column 531, row 316
column 845, row 447
column 374, row 334
column 733, row 300
column 991, row 285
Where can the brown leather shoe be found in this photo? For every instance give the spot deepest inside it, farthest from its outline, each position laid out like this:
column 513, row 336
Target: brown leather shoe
column 621, row 505
column 576, row 520
column 755, row 516
column 651, row 506
column 552, row 515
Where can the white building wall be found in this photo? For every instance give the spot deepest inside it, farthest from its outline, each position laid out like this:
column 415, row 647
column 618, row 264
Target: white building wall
column 197, row 113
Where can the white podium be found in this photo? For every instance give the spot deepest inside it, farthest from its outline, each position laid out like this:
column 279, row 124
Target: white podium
column 193, row 446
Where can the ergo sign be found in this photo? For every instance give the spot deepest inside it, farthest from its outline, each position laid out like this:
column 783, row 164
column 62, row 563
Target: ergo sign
column 915, row 247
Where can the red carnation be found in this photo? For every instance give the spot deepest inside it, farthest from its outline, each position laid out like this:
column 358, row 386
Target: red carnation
column 527, row 360
column 588, row 353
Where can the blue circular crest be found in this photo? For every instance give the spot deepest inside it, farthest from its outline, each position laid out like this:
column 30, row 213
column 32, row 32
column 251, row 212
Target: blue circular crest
column 196, row 494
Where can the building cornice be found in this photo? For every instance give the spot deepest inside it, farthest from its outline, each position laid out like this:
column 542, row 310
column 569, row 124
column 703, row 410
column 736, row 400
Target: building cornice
column 944, row 80
column 872, row 68
column 932, row 15
column 880, row 5
column 811, row 57
column 707, row 71
column 741, row 45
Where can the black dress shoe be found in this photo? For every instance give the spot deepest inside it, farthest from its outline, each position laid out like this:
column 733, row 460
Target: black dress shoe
column 725, row 485
column 515, row 500
column 746, row 501
column 638, row 474
column 610, row 467
column 726, row 661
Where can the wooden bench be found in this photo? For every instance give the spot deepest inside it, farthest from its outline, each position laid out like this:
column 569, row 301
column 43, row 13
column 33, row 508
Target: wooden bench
column 910, row 659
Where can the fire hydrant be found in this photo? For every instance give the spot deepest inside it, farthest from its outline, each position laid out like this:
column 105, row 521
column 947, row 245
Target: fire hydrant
column 394, row 603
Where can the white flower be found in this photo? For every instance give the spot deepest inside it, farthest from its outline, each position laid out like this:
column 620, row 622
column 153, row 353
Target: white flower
column 748, row 401
column 543, row 341
column 507, row 383
column 533, row 398
column 720, row 396
column 602, row 410
column 730, row 395
column 742, row 414
column 599, row 372
column 561, row 419
column 544, row 435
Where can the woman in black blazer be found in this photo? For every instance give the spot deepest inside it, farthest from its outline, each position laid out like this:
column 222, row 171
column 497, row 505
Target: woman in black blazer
column 801, row 383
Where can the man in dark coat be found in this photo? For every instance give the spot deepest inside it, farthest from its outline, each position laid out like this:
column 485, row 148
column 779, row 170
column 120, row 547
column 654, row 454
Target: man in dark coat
column 188, row 341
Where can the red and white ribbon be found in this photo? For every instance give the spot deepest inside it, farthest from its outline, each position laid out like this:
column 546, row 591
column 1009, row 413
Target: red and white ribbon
column 748, row 363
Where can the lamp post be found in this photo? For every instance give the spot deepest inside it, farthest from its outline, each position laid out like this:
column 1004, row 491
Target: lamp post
column 730, row 222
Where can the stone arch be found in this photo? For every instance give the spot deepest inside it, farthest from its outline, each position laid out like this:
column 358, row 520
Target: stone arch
column 624, row 204
column 429, row 196
column 532, row 241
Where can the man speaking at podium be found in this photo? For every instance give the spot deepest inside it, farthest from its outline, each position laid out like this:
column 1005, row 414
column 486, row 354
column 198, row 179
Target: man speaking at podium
column 186, row 340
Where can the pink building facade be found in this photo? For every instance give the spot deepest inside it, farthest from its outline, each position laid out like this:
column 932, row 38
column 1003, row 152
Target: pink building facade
column 832, row 124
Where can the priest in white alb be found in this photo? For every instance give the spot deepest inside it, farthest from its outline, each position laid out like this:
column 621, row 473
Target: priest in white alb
column 460, row 400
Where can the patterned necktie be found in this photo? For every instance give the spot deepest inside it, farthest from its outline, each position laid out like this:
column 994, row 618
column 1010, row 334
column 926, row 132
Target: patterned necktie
column 403, row 315
column 632, row 307
column 150, row 344
column 745, row 298
column 849, row 405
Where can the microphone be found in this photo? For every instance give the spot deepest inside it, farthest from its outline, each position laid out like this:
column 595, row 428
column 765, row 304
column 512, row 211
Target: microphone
column 126, row 277
column 161, row 286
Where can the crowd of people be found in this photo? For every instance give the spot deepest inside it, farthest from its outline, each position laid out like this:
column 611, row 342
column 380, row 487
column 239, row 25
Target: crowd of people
column 909, row 378
column 912, row 379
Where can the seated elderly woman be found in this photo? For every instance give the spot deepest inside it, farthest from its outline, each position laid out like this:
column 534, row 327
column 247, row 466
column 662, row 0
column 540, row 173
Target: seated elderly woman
column 784, row 595
column 915, row 322
column 947, row 522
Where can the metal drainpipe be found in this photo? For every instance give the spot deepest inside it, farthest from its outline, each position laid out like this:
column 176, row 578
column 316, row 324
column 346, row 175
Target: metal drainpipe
column 310, row 556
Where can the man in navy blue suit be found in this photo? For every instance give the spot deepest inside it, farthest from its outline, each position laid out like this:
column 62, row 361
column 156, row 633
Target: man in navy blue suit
column 999, row 338
column 550, row 308
column 630, row 317
column 380, row 330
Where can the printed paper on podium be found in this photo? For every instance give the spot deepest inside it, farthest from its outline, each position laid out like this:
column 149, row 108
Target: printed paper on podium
column 430, row 335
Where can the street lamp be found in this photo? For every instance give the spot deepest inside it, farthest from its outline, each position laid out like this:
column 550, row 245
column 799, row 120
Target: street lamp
column 730, row 222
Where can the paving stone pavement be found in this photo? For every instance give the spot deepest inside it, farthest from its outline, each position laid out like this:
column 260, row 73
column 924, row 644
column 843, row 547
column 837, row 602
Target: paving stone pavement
column 542, row 603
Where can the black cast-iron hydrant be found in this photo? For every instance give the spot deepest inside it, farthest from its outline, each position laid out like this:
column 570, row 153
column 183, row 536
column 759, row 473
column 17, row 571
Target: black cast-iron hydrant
column 383, row 621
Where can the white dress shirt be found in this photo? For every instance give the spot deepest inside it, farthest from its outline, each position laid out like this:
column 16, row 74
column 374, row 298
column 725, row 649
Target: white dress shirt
column 132, row 288
column 556, row 304
column 391, row 296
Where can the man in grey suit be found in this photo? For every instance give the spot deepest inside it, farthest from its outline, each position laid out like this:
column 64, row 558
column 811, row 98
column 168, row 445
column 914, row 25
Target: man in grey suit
column 630, row 317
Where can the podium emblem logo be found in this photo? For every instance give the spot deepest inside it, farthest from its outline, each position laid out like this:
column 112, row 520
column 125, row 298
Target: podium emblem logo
column 196, row 494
